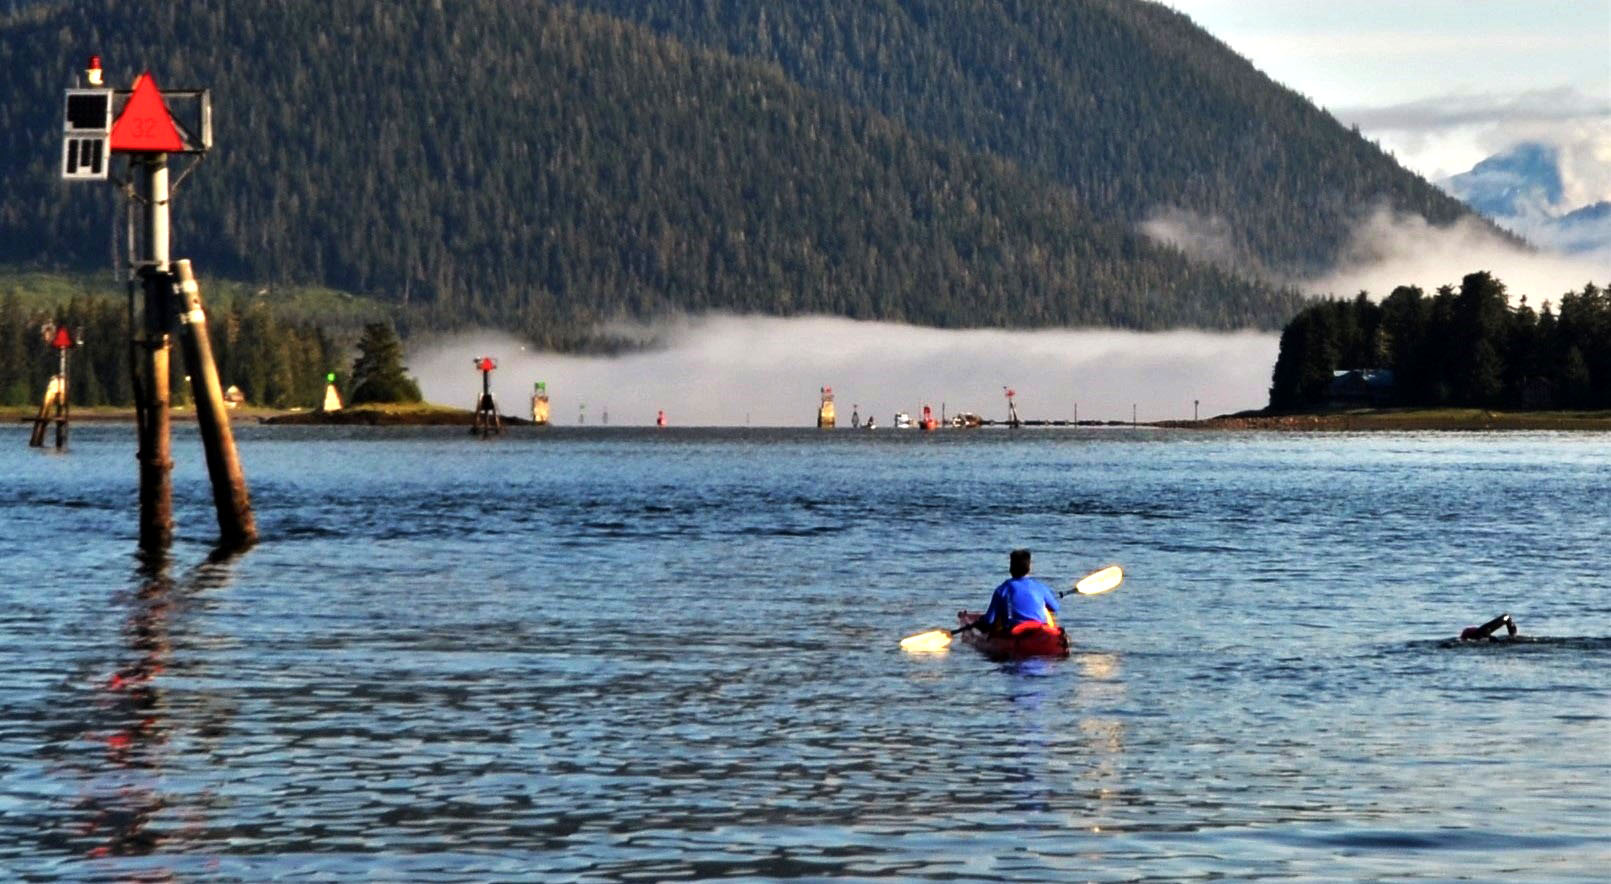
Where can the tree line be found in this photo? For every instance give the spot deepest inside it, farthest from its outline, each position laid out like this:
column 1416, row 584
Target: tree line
column 274, row 362
column 1464, row 346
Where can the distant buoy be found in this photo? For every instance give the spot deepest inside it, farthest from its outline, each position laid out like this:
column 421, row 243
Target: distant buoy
column 660, row 418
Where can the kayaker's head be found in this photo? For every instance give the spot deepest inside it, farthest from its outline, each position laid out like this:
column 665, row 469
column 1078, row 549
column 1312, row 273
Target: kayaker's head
column 1018, row 562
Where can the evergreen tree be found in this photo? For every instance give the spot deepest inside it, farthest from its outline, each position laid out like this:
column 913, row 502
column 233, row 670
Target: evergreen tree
column 378, row 374
column 13, row 351
column 1468, row 348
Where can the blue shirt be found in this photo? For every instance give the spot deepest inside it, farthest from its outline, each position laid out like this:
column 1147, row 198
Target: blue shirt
column 1017, row 600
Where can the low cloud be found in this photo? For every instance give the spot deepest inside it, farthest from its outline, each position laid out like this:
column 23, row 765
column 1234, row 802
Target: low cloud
column 1470, row 109
column 1200, row 237
column 1585, row 154
column 1389, row 250
column 733, row 371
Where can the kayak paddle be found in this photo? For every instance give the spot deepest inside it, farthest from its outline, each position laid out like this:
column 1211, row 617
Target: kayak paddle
column 1098, row 582
column 1094, row 583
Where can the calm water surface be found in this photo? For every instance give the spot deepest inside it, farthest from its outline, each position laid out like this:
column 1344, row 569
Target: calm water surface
column 621, row 654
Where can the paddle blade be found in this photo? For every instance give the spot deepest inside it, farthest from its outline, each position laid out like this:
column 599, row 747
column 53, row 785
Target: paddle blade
column 1098, row 582
column 927, row 642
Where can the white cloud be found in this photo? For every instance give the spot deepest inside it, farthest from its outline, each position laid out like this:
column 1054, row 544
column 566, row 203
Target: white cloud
column 729, row 371
column 1468, row 109
column 1444, row 136
column 1202, row 237
column 1389, row 44
column 1389, row 250
column 1586, row 163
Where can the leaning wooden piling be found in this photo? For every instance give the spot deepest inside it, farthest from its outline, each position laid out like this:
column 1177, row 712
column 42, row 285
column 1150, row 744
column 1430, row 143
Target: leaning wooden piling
column 237, row 528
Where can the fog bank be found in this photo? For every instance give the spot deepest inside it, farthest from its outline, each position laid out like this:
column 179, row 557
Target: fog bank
column 733, row 371
column 1389, row 250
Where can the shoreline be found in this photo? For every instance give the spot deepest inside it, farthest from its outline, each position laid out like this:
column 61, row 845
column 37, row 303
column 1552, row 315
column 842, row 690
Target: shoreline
column 1389, row 420
column 1386, row 420
column 390, row 415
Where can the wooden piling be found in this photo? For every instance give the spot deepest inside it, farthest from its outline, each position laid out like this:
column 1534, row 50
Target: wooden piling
column 155, row 455
column 237, row 528
column 53, row 393
column 156, row 452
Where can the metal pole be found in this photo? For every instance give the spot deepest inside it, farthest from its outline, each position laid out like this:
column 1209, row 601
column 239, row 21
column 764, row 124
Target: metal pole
column 61, row 403
column 237, row 528
column 156, row 464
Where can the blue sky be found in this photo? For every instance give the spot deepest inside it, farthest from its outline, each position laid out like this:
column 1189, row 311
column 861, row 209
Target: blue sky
column 1440, row 83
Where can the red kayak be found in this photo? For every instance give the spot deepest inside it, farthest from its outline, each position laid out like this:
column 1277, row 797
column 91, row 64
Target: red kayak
column 1025, row 639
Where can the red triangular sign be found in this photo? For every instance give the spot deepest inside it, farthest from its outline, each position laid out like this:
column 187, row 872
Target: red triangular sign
column 145, row 124
column 63, row 339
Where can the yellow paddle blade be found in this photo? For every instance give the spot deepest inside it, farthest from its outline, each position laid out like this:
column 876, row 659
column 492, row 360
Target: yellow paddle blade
column 1101, row 581
column 927, row 642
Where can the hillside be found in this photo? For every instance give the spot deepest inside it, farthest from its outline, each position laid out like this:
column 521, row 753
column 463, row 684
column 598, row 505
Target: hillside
column 1128, row 104
column 544, row 167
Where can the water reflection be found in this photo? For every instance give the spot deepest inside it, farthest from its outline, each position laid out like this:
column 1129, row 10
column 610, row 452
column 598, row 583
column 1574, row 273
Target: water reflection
column 444, row 705
column 1101, row 778
column 135, row 720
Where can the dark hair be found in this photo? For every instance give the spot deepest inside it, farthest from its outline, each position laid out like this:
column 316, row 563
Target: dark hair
column 1018, row 562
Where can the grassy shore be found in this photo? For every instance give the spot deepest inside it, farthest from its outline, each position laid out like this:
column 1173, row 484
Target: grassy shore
column 1404, row 420
column 125, row 414
column 414, row 414
column 1355, row 420
column 422, row 414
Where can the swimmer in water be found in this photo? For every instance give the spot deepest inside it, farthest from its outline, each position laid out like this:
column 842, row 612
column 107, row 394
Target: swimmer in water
column 1486, row 631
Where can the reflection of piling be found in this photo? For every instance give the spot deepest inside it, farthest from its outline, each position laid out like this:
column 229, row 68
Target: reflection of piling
column 236, row 526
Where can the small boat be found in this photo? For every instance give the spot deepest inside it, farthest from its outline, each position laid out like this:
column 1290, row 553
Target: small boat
column 903, row 421
column 1025, row 639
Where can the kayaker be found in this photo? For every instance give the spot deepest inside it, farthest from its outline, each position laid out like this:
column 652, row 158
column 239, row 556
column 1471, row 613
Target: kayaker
column 1019, row 599
column 1486, row 631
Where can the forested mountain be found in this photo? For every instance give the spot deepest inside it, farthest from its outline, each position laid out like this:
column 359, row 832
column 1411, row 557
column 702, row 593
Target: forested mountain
column 544, row 165
column 1128, row 104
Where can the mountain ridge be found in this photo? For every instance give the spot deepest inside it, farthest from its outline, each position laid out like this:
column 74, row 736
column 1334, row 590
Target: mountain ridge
column 1523, row 189
column 581, row 166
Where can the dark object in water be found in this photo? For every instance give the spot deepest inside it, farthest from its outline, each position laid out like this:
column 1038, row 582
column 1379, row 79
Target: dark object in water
column 1487, row 630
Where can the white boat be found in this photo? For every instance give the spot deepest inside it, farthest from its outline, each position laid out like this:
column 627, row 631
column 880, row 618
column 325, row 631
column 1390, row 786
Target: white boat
column 903, row 421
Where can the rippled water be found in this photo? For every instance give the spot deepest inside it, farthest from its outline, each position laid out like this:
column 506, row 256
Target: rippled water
column 623, row 654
